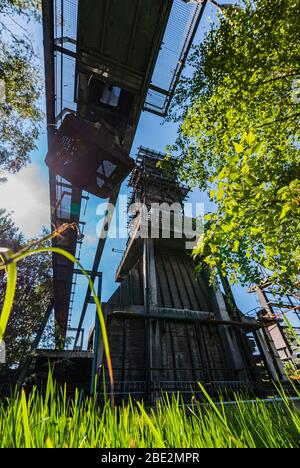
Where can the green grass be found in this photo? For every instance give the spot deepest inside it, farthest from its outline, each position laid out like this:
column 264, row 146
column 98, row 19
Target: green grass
column 56, row 421
column 53, row 420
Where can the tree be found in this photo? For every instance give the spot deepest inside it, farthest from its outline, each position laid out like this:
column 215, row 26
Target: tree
column 19, row 86
column 239, row 118
column 34, row 289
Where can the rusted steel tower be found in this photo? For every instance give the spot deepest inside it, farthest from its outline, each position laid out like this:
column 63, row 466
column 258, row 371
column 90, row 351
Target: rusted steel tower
column 284, row 351
column 168, row 328
column 105, row 62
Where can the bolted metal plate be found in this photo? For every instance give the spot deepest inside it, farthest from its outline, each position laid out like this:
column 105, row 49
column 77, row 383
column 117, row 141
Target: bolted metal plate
column 88, row 157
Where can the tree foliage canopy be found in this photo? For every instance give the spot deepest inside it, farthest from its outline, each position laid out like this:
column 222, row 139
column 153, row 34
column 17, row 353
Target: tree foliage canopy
column 33, row 293
column 19, row 85
column 239, row 138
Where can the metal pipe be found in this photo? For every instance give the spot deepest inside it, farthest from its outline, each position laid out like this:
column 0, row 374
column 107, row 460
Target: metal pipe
column 205, row 320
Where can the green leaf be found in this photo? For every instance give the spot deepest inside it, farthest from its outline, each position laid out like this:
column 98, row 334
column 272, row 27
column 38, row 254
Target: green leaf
column 226, row 228
column 245, row 169
column 250, row 138
column 285, row 209
column 238, row 148
column 258, row 148
column 235, row 246
column 251, row 180
column 220, row 193
column 234, row 175
column 223, row 174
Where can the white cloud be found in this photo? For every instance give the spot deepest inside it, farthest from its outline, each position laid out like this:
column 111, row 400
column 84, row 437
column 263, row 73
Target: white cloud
column 26, row 194
column 90, row 239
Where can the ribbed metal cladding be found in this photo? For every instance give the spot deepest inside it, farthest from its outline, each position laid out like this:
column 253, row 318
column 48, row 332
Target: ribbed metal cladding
column 178, row 285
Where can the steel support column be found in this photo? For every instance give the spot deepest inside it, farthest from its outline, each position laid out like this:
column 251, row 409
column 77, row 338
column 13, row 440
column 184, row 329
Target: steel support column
column 96, row 338
column 148, row 347
column 101, row 244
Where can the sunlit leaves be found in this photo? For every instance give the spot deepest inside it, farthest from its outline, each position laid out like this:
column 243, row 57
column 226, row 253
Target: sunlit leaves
column 20, row 112
column 285, row 209
column 32, row 295
column 238, row 147
column 241, row 118
column 253, row 225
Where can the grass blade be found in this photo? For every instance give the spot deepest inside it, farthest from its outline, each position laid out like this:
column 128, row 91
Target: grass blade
column 11, row 273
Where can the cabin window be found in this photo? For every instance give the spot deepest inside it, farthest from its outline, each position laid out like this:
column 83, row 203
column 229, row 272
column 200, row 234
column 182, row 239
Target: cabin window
column 110, row 95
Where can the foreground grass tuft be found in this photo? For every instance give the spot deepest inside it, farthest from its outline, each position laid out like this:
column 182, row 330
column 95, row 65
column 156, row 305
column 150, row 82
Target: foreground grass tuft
column 53, row 420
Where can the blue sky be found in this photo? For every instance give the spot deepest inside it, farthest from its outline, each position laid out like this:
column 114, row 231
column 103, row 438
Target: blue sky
column 27, row 195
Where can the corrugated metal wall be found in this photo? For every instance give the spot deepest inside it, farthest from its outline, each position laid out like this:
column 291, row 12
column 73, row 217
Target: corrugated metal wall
column 181, row 352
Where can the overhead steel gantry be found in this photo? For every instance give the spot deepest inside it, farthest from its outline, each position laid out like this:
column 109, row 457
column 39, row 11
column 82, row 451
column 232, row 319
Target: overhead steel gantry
column 137, row 48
